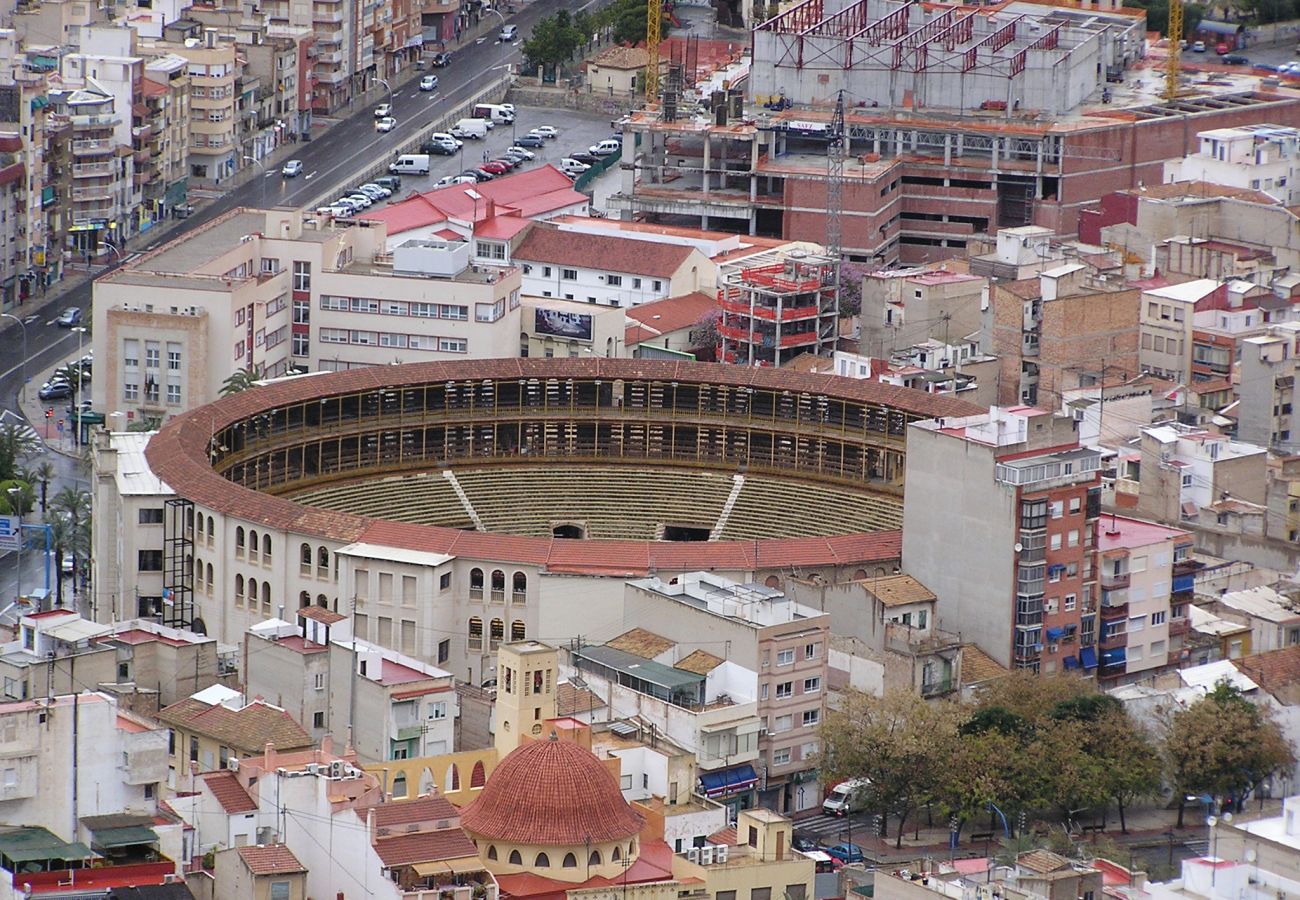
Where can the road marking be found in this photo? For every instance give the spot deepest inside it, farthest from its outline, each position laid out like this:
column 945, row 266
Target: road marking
column 309, row 175
column 268, row 174
column 30, row 319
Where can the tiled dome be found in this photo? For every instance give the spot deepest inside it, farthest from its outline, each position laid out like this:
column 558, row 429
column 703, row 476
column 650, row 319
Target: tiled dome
column 551, row 792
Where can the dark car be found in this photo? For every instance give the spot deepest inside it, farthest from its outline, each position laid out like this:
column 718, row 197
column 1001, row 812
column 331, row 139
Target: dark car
column 846, row 853
column 438, row 60
column 69, row 317
column 510, row 162
column 803, row 844
column 55, row 390
column 583, row 156
column 478, row 174
column 437, row 148
column 495, row 167
column 392, row 182
column 530, row 140
column 1235, row 59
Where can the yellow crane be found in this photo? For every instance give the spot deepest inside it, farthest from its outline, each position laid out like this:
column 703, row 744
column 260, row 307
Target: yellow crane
column 1173, row 64
column 653, row 16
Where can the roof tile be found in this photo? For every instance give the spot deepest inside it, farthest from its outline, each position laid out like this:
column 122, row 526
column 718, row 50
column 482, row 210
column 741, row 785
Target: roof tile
column 247, row 730
column 609, row 253
column 424, row 846
column 225, row 786
column 270, row 859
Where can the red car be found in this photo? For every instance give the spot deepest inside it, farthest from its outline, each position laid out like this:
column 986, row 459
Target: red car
column 495, row 167
column 1221, row 49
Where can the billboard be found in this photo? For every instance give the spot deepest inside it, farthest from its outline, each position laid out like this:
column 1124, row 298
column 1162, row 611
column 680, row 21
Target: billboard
column 10, row 532
column 558, row 323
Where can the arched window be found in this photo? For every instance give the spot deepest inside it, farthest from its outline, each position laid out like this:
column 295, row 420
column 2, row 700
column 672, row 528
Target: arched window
column 594, row 859
column 498, row 586
column 570, row 861
column 452, row 781
column 492, row 852
column 543, row 861
column 189, row 520
column 239, row 541
column 399, row 786
column 212, row 530
column 304, row 599
column 477, row 777
column 518, row 630
column 209, row 578
column 239, row 590
column 476, row 584
column 475, row 633
column 189, row 566
column 616, row 855
column 519, row 591
column 631, row 847
column 322, row 562
column 266, row 548
column 252, row 593
column 494, row 636
column 515, row 858
column 305, row 560
column 773, row 582
column 266, row 598
column 254, row 545
column 860, row 575
column 322, row 601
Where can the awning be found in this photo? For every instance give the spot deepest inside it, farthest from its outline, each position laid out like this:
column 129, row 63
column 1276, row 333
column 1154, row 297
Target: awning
column 1219, row 27
column 728, row 781
column 127, row 836
column 462, row 866
column 1112, row 657
column 1088, row 656
column 1070, row 663
column 1055, row 633
column 77, row 630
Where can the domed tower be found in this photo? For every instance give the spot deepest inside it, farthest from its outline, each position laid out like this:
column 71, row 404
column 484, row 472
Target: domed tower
column 551, row 808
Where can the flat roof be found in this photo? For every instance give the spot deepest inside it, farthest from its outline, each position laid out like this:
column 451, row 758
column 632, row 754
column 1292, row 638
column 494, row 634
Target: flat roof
column 394, row 554
column 640, row 667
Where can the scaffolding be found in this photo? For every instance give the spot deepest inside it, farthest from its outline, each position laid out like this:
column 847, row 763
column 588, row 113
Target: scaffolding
column 178, row 564
column 773, row 313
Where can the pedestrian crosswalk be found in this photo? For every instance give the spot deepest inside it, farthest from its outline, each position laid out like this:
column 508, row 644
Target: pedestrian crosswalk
column 831, row 829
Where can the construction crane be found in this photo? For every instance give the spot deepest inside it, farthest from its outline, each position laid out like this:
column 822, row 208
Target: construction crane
column 653, row 18
column 1173, row 63
column 835, row 152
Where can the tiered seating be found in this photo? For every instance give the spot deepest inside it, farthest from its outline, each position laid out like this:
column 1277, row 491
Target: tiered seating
column 611, row 502
column 772, row 507
column 426, row 499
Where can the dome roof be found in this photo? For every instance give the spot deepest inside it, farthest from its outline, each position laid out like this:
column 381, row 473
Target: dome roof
column 551, row 792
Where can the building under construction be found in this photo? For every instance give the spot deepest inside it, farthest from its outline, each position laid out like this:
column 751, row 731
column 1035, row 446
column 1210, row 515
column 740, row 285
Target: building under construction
column 772, row 313
column 926, row 167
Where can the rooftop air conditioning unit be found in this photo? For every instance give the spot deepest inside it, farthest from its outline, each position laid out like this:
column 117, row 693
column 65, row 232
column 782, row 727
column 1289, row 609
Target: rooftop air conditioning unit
column 706, row 855
column 720, row 853
column 232, row 763
column 336, row 769
column 693, row 854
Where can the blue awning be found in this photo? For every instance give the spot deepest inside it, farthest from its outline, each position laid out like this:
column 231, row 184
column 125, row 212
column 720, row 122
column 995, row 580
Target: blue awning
column 1055, row 634
column 728, row 781
column 1070, row 662
column 1088, row 656
column 1112, row 657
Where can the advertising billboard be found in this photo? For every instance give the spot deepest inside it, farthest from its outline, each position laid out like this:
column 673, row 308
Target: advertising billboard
column 557, row 323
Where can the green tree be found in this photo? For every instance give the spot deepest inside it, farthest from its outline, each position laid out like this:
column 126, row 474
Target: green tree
column 22, row 499
column 241, row 380
column 553, row 41
column 1130, row 760
column 17, row 443
column 1223, row 746
column 72, row 502
column 42, row 474
column 899, row 742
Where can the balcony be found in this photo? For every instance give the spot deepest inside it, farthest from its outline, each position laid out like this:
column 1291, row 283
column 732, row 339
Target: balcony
column 92, row 147
column 938, row 687
column 1111, row 581
column 327, row 15
column 104, row 120
column 1113, row 607
column 97, row 192
column 88, row 170
column 330, row 56
column 798, row 340
column 1029, row 347
column 909, row 641
column 1111, row 641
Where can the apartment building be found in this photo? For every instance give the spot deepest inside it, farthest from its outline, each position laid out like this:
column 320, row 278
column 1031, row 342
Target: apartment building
column 999, row 521
column 215, row 725
column 103, row 168
column 903, row 307
column 1059, row 330
column 772, row 648
column 1138, row 561
column 13, row 206
column 1267, row 388
column 1182, row 469
column 53, row 651
column 167, row 104
column 392, row 705
column 1261, row 157
column 213, row 67
column 325, row 33
column 265, row 291
column 1166, row 319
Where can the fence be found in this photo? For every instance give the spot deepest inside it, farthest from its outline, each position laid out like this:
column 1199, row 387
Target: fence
column 493, row 93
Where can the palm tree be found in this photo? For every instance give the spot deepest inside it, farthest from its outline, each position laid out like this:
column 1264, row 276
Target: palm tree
column 42, row 473
column 17, row 442
column 241, row 380
column 73, row 502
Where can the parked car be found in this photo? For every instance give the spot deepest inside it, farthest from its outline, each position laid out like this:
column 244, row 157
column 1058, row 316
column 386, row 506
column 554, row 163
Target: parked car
column 446, row 180
column 392, row 182
column 1221, row 48
column 55, row 390
column 437, row 148
column 530, row 140
column 572, row 167
column 69, row 317
column 496, row 167
column 1235, row 59
column 349, row 204
column 846, row 853
column 373, row 191
column 483, row 174
column 607, row 147
column 1198, row 47
column 383, row 110
column 292, row 169
column 802, row 844
column 524, row 152
column 546, row 131
column 429, row 83
column 386, row 124
column 584, row 157
column 361, row 200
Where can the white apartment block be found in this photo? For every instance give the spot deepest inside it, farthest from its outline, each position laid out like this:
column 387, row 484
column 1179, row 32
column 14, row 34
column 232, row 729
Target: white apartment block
column 1165, row 321
column 1267, row 388
column 1261, row 157
column 270, row 292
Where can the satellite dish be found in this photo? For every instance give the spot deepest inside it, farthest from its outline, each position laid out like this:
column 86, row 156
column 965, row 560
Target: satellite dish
column 1018, row 547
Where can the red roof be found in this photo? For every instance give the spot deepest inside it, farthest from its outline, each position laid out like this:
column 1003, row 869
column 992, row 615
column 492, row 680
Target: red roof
column 501, row 228
column 551, row 792
column 609, row 253
column 424, row 846
column 320, row 614
column 664, row 316
column 270, row 859
column 430, row 808
column 229, row 792
column 654, row 863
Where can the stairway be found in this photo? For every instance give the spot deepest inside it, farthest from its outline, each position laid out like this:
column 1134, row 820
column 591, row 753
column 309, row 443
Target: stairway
column 737, row 482
column 464, row 499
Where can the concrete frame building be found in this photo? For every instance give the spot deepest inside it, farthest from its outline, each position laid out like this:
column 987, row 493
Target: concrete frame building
column 1267, row 389
column 1260, row 157
column 1183, row 469
column 999, row 521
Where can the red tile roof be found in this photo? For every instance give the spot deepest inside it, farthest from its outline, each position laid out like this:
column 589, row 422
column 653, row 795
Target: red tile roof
column 229, row 792
column 321, row 614
column 424, row 846
column 430, row 808
column 551, row 792
column 270, row 859
column 665, row 316
column 609, row 253
column 1273, row 670
column 248, row 729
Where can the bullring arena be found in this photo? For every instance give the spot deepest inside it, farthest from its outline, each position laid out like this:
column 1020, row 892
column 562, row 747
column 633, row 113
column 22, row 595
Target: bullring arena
column 524, row 483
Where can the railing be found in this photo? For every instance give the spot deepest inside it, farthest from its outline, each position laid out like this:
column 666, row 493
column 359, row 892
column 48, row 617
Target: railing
column 103, row 192
column 798, row 340
column 935, row 688
column 776, row 277
column 92, row 145
column 86, row 170
column 106, row 120
column 1111, row 641
column 1111, row 580
column 789, row 314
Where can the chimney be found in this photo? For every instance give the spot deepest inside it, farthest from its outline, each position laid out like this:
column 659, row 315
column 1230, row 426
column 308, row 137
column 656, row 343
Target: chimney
column 326, row 747
column 268, row 762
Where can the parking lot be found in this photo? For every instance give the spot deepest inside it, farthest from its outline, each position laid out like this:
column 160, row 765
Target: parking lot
column 577, row 131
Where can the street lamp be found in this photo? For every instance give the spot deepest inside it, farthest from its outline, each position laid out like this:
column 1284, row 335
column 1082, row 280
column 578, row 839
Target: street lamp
column 76, row 407
column 111, row 246
column 389, row 88
column 261, row 165
column 22, row 388
column 1212, row 821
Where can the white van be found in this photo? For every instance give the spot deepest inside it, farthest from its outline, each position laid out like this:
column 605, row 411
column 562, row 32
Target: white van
column 494, row 112
column 475, row 129
column 846, row 797
column 410, row 164
column 572, row 167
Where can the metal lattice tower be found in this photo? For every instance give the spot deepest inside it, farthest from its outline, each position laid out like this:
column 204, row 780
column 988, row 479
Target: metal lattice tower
column 653, row 18
column 835, row 186
column 1173, row 64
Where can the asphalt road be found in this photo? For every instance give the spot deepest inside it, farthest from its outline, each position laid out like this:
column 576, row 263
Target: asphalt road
column 326, row 167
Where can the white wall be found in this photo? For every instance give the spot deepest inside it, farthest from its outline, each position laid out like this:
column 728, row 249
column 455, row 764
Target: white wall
column 591, row 283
